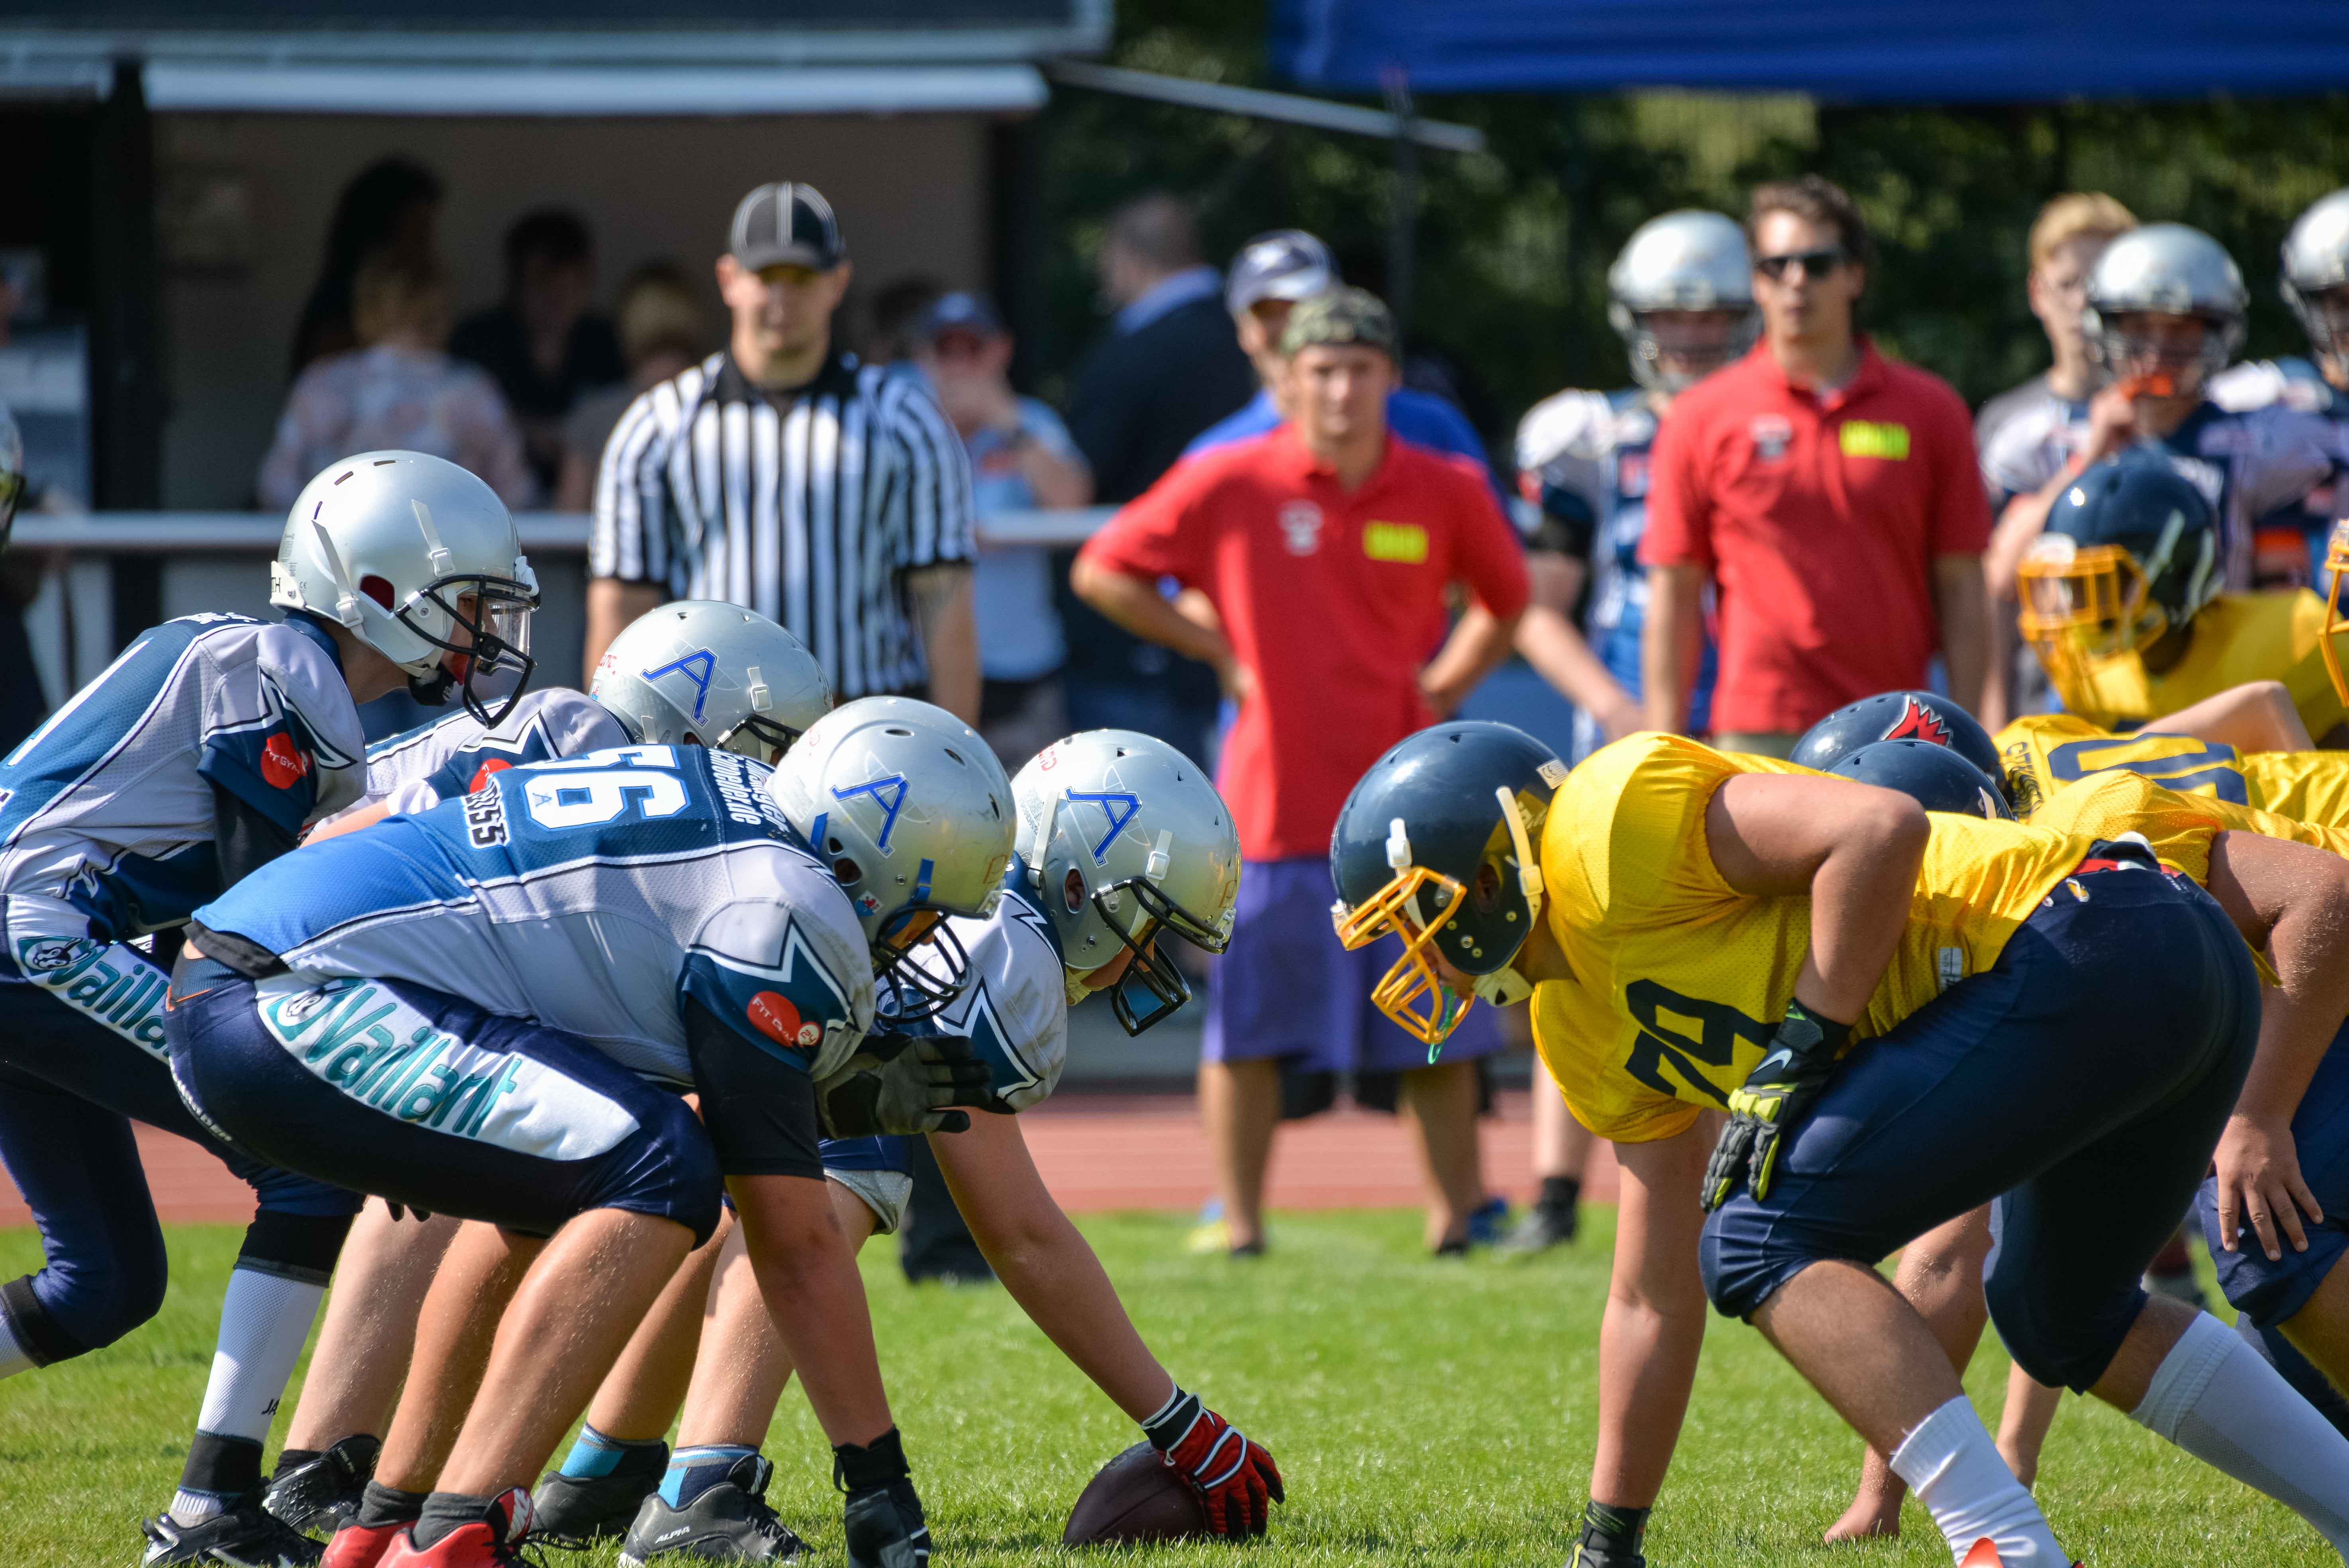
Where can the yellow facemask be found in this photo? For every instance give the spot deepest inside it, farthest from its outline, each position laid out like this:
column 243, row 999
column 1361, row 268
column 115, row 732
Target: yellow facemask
column 2083, row 606
column 2336, row 563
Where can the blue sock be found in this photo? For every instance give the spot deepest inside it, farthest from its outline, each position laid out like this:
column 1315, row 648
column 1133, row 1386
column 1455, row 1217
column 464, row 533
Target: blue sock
column 692, row 1472
column 595, row 1456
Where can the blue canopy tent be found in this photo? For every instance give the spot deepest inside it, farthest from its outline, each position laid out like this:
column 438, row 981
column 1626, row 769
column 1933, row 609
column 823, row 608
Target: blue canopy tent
column 1984, row 51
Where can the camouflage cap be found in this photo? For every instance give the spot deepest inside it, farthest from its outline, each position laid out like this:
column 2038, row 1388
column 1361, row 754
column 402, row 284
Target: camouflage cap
column 1341, row 315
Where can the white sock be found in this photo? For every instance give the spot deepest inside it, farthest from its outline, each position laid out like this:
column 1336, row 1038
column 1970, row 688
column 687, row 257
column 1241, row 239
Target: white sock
column 264, row 1319
column 12, row 1359
column 1953, row 1466
column 2220, row 1400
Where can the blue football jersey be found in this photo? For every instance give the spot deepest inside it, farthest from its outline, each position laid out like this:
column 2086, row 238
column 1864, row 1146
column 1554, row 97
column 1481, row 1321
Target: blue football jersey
column 592, row 894
column 2297, row 384
column 109, row 804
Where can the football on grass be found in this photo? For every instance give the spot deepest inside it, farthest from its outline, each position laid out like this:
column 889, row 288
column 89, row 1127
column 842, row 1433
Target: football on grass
column 1135, row 1498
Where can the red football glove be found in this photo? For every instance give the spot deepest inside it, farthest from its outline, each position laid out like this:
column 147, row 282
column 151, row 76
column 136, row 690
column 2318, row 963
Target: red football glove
column 1235, row 1480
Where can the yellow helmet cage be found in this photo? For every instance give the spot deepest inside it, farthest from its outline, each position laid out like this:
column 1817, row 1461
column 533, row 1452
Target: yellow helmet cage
column 2083, row 605
column 2336, row 562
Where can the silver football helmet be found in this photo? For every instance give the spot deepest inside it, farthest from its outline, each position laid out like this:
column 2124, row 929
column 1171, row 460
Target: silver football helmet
column 1683, row 261
column 387, row 545
column 2315, row 265
column 1122, row 839
column 705, row 673
column 12, row 471
column 911, row 810
column 2164, row 269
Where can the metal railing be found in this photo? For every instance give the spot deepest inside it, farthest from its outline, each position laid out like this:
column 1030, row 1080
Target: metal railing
column 207, row 562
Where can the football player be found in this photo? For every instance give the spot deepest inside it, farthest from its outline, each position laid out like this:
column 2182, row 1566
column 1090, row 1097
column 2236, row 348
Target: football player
column 1700, row 931
column 1681, row 295
column 1123, row 845
column 695, row 672
column 488, row 1010
column 2165, row 313
column 2122, row 601
column 193, row 760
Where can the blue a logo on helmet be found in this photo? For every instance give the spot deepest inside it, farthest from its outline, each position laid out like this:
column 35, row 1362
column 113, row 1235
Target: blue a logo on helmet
column 889, row 794
column 1120, row 806
column 707, row 664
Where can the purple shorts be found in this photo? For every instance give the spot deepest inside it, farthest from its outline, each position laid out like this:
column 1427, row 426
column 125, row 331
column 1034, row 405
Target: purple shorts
column 1287, row 988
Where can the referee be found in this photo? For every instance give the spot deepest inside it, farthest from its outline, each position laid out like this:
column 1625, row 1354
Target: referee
column 783, row 475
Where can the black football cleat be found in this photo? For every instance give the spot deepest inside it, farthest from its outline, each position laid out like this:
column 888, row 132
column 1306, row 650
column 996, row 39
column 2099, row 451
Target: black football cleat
column 1543, row 1226
column 245, row 1536
column 321, row 1495
column 730, row 1522
column 577, row 1511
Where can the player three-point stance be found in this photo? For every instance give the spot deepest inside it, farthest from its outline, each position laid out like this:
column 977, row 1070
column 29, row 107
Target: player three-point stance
column 1123, row 845
column 195, row 759
column 1907, row 1014
column 488, row 1010
column 692, row 673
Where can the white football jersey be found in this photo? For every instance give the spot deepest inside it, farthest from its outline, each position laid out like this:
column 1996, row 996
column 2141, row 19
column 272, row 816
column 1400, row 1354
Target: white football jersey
column 417, row 770
column 1014, row 1007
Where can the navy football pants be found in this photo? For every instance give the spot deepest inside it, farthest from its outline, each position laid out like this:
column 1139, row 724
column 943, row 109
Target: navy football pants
column 2083, row 1082
column 2268, row 1292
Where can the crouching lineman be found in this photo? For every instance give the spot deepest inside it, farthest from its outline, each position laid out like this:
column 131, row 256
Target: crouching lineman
column 1122, row 843
column 484, row 1010
column 196, row 757
column 695, row 672
column 2061, row 1021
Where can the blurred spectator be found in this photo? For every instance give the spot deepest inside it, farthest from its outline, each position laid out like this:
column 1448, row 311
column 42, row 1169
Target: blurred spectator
column 661, row 333
column 400, row 391
column 392, row 205
column 1271, row 274
column 898, row 309
column 1831, row 496
column 1168, row 367
column 541, row 343
column 21, row 699
column 1020, row 458
column 2070, row 233
column 1329, row 552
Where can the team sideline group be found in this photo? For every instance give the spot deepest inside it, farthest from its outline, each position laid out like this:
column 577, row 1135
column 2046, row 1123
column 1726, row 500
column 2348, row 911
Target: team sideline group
column 621, row 1000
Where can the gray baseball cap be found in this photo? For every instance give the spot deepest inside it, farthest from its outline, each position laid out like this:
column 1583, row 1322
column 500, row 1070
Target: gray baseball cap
column 1287, row 264
column 786, row 223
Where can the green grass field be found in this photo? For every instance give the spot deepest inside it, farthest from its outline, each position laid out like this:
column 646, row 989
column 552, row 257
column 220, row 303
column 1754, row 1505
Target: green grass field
column 1422, row 1412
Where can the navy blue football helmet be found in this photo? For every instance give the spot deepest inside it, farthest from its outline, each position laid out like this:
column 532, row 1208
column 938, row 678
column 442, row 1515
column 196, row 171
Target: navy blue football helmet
column 1896, row 716
column 1936, row 777
column 1438, row 844
column 2130, row 554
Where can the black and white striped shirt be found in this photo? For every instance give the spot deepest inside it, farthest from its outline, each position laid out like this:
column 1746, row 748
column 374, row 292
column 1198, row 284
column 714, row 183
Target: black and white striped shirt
column 807, row 506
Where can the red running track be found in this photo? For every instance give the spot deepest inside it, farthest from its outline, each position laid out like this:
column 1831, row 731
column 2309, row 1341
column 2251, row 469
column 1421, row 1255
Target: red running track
column 1096, row 1151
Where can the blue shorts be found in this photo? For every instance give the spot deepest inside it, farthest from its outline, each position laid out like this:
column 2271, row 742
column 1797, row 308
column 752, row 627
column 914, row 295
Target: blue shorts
column 2083, row 1082
column 409, row 1093
column 1287, row 989
column 2269, row 1293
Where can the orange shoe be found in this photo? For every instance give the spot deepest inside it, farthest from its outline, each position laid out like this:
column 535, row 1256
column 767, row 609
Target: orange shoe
column 1985, row 1555
column 490, row 1541
column 360, row 1546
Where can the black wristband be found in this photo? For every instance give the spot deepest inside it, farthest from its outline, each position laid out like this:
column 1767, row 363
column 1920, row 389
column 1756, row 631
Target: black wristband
column 1612, row 1528
column 877, row 1463
column 1812, row 1033
column 1172, row 1420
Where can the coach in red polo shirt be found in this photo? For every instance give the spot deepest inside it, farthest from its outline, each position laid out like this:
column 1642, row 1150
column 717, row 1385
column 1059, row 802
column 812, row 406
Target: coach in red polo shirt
column 1829, row 496
column 1329, row 549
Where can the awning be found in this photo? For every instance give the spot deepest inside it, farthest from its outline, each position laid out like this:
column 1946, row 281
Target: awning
column 567, row 89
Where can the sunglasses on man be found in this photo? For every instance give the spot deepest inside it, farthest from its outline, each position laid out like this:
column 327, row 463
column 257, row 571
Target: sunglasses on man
column 1815, row 263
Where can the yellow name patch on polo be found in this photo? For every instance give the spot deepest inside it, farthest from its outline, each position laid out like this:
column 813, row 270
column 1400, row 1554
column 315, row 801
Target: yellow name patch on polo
column 1870, row 438
column 1403, row 542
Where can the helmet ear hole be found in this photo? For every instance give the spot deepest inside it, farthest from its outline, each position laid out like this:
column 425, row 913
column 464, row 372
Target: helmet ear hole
column 1072, row 889
column 1485, row 893
column 378, row 589
column 847, row 872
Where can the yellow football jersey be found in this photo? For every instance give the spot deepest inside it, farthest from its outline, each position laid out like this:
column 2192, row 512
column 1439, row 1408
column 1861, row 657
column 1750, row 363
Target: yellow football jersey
column 2043, row 752
column 1680, row 980
column 2237, row 638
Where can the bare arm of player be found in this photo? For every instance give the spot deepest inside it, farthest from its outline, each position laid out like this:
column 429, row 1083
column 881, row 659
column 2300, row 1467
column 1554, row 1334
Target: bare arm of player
column 1654, row 1323
column 1136, row 603
column 1963, row 604
column 1479, row 641
column 350, row 821
column 1671, row 643
column 941, row 600
column 2256, row 715
column 2291, row 901
column 807, row 1273
column 1045, row 1263
column 1853, row 847
column 1554, row 645
column 611, row 606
